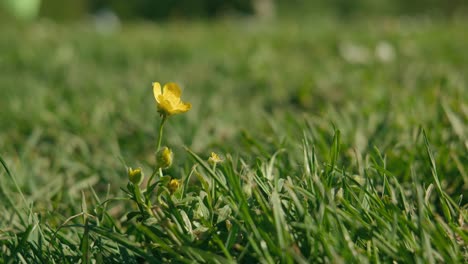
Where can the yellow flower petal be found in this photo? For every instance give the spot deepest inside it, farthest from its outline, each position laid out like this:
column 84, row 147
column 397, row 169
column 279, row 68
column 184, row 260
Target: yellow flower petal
column 215, row 158
column 156, row 90
column 172, row 89
column 172, row 92
column 165, row 105
column 184, row 107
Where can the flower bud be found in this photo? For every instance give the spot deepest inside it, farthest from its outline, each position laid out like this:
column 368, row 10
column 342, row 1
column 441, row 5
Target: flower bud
column 164, row 158
column 214, row 159
column 339, row 195
column 173, row 185
column 228, row 225
column 135, row 175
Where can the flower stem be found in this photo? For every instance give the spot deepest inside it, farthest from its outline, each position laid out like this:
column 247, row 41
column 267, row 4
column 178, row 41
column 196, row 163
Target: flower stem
column 150, row 180
column 161, row 132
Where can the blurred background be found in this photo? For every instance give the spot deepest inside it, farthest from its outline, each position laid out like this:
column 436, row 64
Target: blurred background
column 75, row 84
column 171, row 9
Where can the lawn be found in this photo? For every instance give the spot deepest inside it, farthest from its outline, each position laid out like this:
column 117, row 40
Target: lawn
column 342, row 141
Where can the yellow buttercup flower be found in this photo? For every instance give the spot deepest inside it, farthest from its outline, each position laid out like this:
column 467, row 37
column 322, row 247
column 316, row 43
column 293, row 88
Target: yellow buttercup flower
column 168, row 99
column 214, row 158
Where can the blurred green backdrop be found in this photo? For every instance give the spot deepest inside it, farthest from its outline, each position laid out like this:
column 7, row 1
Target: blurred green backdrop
column 168, row 9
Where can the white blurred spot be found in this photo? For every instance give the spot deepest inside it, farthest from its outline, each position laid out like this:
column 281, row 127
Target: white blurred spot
column 385, row 52
column 355, row 54
column 106, row 21
column 263, row 245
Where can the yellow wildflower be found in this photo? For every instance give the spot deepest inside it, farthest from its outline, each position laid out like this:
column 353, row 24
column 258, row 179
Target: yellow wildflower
column 168, row 99
column 173, row 185
column 214, row 158
column 135, row 175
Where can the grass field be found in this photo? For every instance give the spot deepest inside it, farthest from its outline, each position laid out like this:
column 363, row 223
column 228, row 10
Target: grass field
column 343, row 142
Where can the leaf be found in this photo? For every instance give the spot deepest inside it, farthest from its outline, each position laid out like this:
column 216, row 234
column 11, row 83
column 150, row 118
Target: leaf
column 223, row 213
column 456, row 123
column 187, row 223
column 201, row 211
column 132, row 215
column 123, row 241
column 84, row 245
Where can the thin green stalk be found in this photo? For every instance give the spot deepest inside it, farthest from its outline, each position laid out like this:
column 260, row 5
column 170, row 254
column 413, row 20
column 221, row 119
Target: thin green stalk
column 150, row 180
column 164, row 117
column 213, row 194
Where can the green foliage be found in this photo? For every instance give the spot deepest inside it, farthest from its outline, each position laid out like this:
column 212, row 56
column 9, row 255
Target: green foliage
column 162, row 10
column 148, row 9
column 356, row 8
column 341, row 143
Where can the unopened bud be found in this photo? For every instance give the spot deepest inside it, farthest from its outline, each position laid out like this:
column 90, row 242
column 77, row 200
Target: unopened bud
column 135, row 175
column 228, row 225
column 339, row 195
column 173, row 185
column 164, row 158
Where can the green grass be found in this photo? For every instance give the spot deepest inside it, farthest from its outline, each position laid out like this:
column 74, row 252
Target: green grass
column 333, row 153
